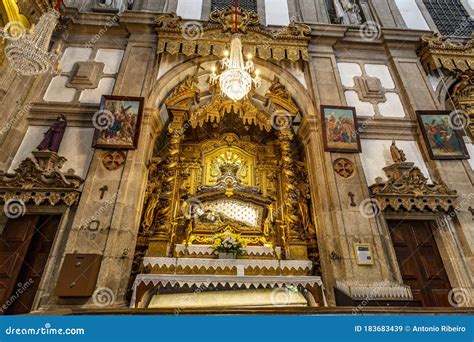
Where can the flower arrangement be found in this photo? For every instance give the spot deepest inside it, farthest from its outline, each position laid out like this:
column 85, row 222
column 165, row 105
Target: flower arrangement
column 229, row 243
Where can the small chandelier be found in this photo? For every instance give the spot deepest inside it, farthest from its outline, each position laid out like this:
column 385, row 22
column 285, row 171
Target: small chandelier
column 28, row 53
column 236, row 80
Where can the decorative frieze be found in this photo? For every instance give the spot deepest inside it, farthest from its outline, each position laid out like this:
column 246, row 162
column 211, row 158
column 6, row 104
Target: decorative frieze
column 40, row 180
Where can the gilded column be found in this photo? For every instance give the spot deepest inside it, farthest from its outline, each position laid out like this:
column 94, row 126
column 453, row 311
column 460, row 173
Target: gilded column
column 294, row 243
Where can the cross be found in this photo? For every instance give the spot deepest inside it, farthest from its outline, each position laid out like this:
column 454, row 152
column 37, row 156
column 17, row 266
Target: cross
column 103, row 190
column 471, row 209
column 351, row 195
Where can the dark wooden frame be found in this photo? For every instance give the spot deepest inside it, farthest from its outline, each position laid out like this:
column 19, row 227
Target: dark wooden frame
column 324, row 130
column 419, row 114
column 105, row 98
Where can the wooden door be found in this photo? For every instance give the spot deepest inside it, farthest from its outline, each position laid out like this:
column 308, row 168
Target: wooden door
column 25, row 244
column 420, row 262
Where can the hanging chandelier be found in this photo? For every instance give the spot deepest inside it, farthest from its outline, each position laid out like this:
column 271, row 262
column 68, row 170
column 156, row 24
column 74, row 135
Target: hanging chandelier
column 236, row 77
column 28, row 53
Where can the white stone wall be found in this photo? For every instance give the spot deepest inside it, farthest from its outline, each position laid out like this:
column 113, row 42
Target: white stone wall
column 376, row 155
column 392, row 107
column 411, row 14
column 75, row 147
column 276, row 12
column 189, row 9
column 57, row 90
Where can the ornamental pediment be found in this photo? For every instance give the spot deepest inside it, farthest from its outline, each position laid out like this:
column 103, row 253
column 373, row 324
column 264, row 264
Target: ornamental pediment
column 176, row 35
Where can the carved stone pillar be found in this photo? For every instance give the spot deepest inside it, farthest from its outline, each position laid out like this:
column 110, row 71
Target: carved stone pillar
column 293, row 241
column 464, row 98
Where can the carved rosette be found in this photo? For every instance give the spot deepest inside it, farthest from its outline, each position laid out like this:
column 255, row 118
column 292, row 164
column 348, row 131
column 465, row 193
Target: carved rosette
column 40, row 181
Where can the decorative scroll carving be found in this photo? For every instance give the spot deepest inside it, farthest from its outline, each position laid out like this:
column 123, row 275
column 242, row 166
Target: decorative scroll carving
column 185, row 94
column 408, row 188
column 456, row 58
column 212, row 38
column 226, row 18
column 40, row 180
column 438, row 51
column 463, row 97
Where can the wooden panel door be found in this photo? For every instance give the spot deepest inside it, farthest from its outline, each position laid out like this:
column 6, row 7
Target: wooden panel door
column 35, row 262
column 14, row 243
column 30, row 258
column 420, row 262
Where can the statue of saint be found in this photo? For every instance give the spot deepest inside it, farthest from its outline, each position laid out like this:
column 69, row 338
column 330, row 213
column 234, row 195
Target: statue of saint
column 54, row 135
column 347, row 12
column 398, row 156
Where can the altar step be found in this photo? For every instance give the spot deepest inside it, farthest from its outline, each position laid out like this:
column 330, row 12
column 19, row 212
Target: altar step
column 235, row 267
column 200, row 291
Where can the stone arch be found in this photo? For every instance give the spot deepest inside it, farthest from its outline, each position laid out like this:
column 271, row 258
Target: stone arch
column 175, row 75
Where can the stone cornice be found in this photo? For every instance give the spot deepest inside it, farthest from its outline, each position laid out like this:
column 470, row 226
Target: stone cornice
column 78, row 115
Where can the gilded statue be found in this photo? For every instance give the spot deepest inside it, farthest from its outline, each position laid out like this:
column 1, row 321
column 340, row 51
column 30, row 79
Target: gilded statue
column 152, row 194
column 398, row 156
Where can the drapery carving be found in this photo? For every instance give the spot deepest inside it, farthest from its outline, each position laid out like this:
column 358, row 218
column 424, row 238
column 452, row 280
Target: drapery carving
column 212, row 38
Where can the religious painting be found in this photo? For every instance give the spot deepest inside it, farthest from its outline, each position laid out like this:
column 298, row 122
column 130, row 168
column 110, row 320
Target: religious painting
column 340, row 129
column 442, row 138
column 118, row 122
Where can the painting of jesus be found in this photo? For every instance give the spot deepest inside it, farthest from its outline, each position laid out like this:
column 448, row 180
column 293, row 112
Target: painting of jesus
column 117, row 122
column 441, row 134
column 340, row 129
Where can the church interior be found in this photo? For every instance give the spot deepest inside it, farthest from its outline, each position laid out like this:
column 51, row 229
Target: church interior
column 266, row 156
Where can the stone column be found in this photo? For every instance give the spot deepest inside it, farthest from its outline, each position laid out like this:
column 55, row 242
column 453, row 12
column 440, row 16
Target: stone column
column 338, row 223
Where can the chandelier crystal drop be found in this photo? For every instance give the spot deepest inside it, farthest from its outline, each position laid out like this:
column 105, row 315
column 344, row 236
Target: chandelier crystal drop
column 28, row 54
column 238, row 77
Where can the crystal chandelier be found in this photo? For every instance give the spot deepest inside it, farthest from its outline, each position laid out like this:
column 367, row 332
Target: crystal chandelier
column 28, row 53
column 236, row 79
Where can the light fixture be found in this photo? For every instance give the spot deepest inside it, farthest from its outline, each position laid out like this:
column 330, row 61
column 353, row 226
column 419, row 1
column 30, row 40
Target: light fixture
column 28, row 53
column 237, row 77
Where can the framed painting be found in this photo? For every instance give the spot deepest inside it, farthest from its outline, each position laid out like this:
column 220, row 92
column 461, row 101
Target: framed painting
column 441, row 137
column 118, row 122
column 340, row 129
